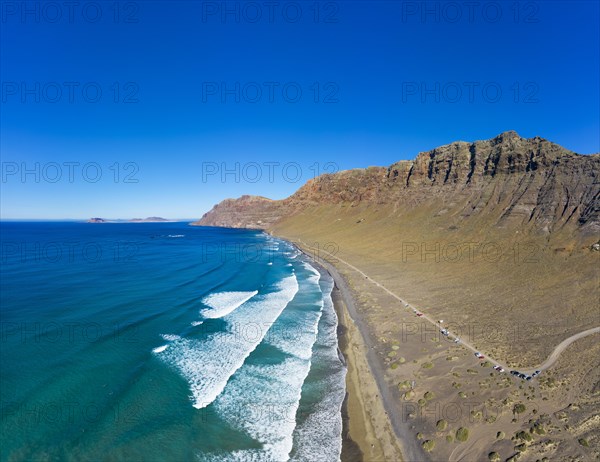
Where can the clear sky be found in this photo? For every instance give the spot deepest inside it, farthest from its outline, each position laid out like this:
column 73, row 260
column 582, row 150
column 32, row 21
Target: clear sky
column 166, row 108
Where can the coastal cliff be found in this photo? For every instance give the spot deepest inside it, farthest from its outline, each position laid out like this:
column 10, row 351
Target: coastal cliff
column 508, row 181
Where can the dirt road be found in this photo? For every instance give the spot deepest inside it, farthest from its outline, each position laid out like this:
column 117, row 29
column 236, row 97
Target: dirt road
column 547, row 364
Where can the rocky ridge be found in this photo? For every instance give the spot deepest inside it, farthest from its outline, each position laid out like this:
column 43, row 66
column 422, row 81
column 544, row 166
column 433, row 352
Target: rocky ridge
column 514, row 182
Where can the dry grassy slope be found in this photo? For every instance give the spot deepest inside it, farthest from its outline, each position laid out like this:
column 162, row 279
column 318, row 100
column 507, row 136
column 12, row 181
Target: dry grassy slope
column 495, row 235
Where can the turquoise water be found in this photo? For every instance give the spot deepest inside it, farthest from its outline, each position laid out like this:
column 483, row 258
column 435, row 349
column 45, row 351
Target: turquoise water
column 162, row 341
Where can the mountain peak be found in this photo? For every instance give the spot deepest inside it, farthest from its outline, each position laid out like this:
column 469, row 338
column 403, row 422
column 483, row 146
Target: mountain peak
column 507, row 135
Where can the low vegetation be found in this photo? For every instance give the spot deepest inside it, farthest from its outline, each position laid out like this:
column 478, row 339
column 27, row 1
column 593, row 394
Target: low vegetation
column 428, row 445
column 441, row 425
column 494, row 456
column 521, row 447
column 405, row 385
column 519, row 408
column 524, row 436
column 462, row 434
column 538, row 429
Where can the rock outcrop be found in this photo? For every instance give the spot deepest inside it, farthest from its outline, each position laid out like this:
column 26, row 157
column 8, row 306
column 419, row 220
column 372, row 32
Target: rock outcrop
column 531, row 184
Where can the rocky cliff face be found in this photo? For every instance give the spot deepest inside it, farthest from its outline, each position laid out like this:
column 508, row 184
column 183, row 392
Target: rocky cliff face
column 244, row 212
column 511, row 181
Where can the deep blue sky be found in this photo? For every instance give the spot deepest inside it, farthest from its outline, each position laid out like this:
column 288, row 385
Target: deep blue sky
column 371, row 61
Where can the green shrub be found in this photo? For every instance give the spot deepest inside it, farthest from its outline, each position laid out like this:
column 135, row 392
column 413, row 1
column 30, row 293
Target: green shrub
column 524, row 436
column 428, row 445
column 462, row 434
column 500, row 435
column 409, row 395
column 519, row 408
column 538, row 429
column 427, row 365
column 494, row 456
column 429, row 395
column 584, row 442
column 441, row 425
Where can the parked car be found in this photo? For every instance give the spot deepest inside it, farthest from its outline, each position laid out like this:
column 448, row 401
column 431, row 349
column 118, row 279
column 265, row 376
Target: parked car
column 419, row 314
column 479, row 355
column 498, row 368
column 527, row 377
column 514, row 372
column 536, row 373
column 522, row 376
column 456, row 340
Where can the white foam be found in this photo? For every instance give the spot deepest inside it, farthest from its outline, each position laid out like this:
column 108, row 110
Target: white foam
column 170, row 337
column 197, row 323
column 315, row 275
column 207, row 364
column 319, row 436
column 246, row 455
column 262, row 401
column 223, row 303
column 300, row 331
column 160, row 348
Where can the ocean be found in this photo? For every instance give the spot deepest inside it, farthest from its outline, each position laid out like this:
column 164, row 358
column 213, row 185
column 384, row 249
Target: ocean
column 164, row 341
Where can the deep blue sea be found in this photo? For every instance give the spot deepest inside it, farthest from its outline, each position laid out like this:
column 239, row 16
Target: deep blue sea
column 164, row 342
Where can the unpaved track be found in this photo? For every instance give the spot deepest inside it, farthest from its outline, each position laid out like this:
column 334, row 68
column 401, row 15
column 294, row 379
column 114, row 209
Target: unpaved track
column 562, row 346
column 547, row 364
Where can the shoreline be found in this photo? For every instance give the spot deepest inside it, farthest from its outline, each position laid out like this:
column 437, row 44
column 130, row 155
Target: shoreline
column 369, row 434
